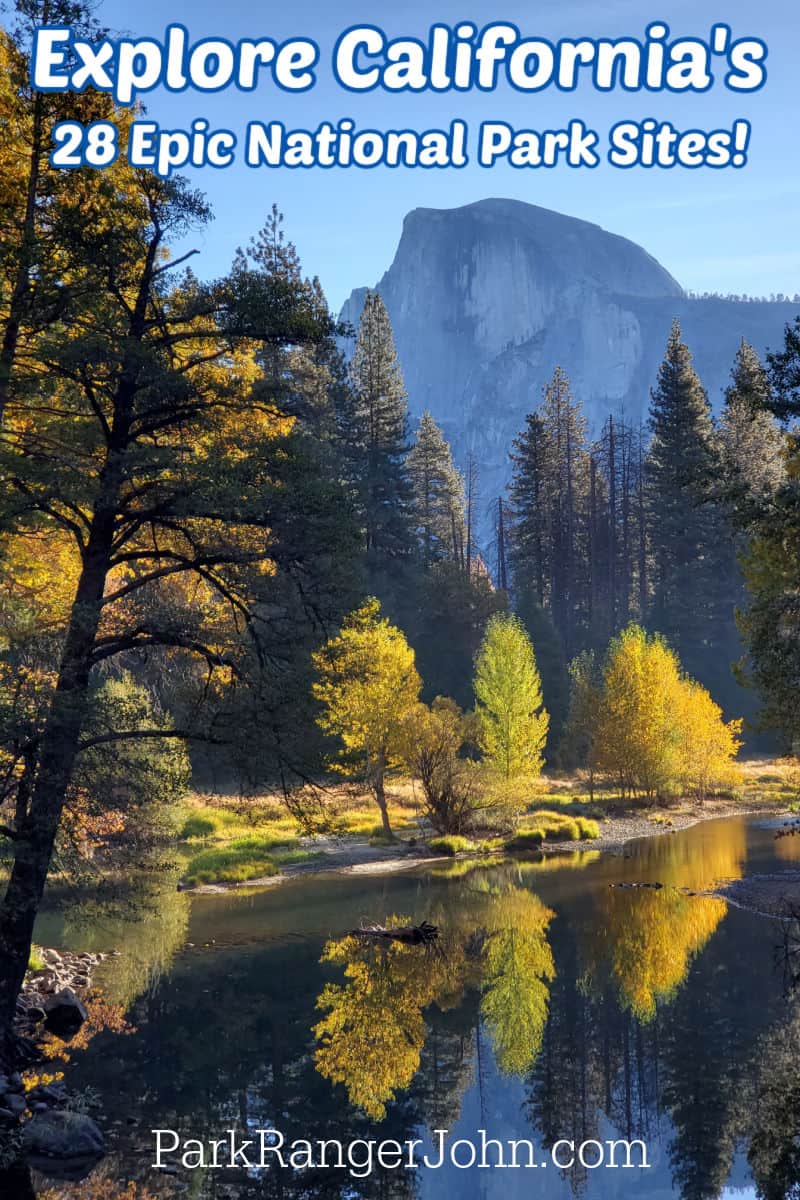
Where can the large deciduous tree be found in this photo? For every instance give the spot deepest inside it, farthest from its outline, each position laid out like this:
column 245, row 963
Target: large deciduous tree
column 512, row 721
column 367, row 683
column 149, row 455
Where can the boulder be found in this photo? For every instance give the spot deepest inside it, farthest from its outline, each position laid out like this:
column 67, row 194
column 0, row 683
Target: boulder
column 64, row 1136
column 64, row 1014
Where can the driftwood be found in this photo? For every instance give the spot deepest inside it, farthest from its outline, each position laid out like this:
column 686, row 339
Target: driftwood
column 656, row 887
column 410, row 935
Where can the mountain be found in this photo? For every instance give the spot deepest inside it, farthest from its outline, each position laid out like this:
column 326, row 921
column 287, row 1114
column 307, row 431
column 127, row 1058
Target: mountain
column 487, row 299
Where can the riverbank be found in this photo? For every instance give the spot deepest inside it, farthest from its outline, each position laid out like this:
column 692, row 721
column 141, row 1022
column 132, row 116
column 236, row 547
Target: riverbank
column 232, row 843
column 354, row 857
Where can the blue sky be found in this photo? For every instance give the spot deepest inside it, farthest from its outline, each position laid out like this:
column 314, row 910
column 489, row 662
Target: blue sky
column 728, row 230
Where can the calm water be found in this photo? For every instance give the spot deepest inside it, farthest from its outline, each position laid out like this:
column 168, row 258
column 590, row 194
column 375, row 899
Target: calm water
column 556, row 1006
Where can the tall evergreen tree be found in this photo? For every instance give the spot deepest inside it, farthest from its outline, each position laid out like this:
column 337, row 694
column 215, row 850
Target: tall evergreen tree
column 567, row 499
column 686, row 531
column 752, row 445
column 438, row 492
column 550, row 501
column 379, row 440
column 529, row 535
column 770, row 622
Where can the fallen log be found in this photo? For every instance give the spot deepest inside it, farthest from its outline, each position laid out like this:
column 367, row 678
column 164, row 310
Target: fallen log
column 409, row 935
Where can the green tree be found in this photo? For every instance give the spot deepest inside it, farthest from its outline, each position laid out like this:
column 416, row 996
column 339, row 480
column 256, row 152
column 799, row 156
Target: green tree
column 447, row 625
column 530, row 560
column 550, row 493
column 686, row 529
column 579, row 745
column 367, row 683
column 379, row 441
column 438, row 492
column 546, row 641
column 513, row 722
column 45, row 279
column 770, row 619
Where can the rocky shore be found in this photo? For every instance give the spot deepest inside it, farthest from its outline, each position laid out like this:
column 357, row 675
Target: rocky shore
column 46, row 1124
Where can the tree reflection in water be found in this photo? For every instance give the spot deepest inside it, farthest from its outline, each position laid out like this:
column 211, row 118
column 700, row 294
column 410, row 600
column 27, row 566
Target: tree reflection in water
column 631, row 1012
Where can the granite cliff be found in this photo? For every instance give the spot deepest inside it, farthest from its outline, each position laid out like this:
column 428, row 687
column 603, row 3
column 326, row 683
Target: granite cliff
column 487, row 299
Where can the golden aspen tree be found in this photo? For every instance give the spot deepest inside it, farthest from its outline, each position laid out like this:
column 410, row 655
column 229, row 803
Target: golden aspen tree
column 367, row 684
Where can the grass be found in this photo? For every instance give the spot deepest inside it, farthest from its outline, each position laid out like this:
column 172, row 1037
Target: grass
column 551, row 826
column 233, row 841
column 450, row 844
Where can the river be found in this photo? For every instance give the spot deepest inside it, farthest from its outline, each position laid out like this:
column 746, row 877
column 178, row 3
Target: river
column 557, row 1007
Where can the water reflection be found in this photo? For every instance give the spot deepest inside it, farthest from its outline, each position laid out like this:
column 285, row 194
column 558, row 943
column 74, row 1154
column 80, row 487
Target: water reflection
column 557, row 1006
column 372, row 1035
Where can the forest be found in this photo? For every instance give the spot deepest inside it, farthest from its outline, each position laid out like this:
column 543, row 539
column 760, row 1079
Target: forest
column 229, row 554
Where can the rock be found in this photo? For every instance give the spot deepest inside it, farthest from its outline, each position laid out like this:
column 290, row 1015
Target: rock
column 6, row 1116
column 63, row 1135
column 487, row 298
column 15, row 1103
column 64, row 1014
column 81, row 981
column 35, row 1014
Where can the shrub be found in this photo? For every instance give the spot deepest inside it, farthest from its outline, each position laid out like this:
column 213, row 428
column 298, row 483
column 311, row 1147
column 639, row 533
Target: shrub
column 526, row 839
column 505, row 801
column 35, row 960
column 433, row 740
column 588, row 829
column 451, row 845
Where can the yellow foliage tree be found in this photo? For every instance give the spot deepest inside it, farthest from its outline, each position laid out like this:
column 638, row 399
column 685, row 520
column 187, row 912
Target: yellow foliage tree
column 367, row 683
column 513, row 722
column 656, row 730
column 708, row 745
column 637, row 738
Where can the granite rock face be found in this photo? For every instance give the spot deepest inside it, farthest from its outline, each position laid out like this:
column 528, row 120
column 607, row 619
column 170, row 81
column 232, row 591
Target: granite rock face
column 486, row 300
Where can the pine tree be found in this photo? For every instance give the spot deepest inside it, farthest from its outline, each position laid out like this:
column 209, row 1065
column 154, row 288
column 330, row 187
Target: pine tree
column 567, row 500
column 686, row 529
column 529, row 535
column 438, row 492
column 751, row 442
column 380, row 435
column 770, row 623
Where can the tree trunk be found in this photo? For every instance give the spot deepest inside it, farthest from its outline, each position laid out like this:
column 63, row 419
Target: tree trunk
column 33, row 850
column 379, row 791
